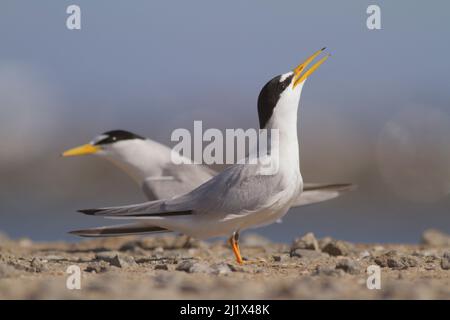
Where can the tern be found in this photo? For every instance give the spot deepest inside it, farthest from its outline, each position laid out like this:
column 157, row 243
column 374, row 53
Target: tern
column 243, row 195
column 147, row 162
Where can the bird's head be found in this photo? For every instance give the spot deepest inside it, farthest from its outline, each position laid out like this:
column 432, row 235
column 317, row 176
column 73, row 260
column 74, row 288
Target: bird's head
column 283, row 91
column 110, row 143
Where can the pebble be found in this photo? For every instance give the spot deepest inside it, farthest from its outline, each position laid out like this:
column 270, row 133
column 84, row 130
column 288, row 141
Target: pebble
column 307, row 254
column 327, row 271
column 192, row 267
column 98, row 267
column 337, row 248
column 308, row 241
column 200, row 267
column 221, row 269
column 364, row 254
column 393, row 260
column 161, row 267
column 349, row 266
column 280, row 258
column 39, row 265
column 324, row 241
column 445, row 261
column 115, row 259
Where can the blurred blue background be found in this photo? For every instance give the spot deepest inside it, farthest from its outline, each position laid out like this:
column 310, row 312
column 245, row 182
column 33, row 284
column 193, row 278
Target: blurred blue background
column 377, row 113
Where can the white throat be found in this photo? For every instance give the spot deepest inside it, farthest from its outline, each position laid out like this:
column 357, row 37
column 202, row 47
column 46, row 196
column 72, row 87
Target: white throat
column 284, row 119
column 138, row 158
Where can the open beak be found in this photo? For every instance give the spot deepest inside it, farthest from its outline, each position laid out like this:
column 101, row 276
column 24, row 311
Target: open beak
column 300, row 75
column 81, row 150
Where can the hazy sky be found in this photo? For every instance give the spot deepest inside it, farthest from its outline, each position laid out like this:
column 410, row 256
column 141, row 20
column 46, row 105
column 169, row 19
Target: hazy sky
column 152, row 66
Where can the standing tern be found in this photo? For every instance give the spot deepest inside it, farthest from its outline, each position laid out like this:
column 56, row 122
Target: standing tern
column 242, row 196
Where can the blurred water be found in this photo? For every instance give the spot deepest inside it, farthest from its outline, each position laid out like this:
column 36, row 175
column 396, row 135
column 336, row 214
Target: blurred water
column 377, row 113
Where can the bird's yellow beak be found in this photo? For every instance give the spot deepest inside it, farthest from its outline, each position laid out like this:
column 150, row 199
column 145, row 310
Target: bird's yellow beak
column 81, row 150
column 298, row 76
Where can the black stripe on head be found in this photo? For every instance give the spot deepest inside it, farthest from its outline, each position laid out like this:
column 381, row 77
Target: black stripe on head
column 117, row 135
column 269, row 96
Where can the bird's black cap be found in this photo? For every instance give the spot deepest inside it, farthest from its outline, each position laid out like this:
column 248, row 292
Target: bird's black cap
column 269, row 96
column 117, row 135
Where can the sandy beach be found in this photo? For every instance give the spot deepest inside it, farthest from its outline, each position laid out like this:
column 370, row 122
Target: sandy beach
column 161, row 268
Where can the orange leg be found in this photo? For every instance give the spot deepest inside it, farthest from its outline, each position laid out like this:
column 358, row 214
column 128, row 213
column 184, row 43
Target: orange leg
column 234, row 242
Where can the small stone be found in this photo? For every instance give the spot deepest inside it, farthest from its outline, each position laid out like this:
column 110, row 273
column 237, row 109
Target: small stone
column 395, row 263
column 381, row 260
column 193, row 267
column 161, row 267
column 221, row 268
column 307, row 254
column 429, row 255
column 324, row 241
column 349, row 266
column 403, row 262
column 436, row 238
column 281, row 257
column 308, row 241
column 393, row 260
column 337, row 248
column 39, row 265
column 126, row 261
column 97, row 267
column 430, row 267
column 445, row 261
column 364, row 254
column 116, row 260
column 327, row 271
column 234, row 268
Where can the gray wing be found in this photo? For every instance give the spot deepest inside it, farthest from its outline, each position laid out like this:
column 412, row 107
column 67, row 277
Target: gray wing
column 236, row 189
column 317, row 192
column 119, row 230
column 176, row 180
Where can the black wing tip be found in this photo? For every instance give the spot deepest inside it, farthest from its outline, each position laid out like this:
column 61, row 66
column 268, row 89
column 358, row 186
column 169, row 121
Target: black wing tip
column 339, row 187
column 344, row 187
column 349, row 187
column 79, row 233
column 90, row 212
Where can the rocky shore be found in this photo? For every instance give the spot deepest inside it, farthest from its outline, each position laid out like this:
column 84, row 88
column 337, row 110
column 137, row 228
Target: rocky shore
column 163, row 268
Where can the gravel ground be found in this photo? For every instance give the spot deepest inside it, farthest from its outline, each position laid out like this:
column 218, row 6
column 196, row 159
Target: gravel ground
column 161, row 268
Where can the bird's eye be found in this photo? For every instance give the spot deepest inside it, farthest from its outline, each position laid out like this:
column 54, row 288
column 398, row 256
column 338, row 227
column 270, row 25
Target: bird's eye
column 283, row 85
